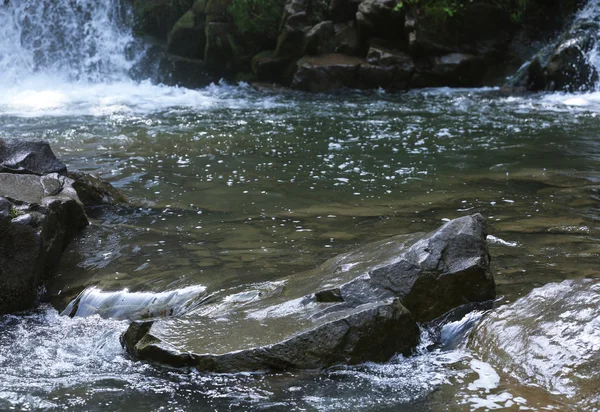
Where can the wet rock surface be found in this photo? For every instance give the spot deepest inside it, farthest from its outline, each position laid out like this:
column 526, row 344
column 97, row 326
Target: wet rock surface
column 362, row 306
column 548, row 339
column 40, row 213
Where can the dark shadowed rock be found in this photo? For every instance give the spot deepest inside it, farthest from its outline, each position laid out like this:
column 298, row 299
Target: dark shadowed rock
column 29, row 157
column 347, row 39
column 361, row 306
column 327, row 72
column 380, row 18
column 94, row 191
column 187, row 38
column 38, row 218
column 319, row 39
column 267, row 67
column 373, row 333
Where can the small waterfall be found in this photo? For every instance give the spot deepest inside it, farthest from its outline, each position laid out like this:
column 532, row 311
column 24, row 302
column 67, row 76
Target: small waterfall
column 67, row 40
column 135, row 305
column 588, row 19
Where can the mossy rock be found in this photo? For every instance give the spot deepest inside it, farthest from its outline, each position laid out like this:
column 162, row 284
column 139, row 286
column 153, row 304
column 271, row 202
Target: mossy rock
column 187, row 37
column 157, row 17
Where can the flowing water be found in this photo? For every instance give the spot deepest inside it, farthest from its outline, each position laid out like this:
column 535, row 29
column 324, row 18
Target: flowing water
column 233, row 189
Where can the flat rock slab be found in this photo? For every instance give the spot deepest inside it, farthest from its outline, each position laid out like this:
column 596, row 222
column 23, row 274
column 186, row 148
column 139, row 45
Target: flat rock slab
column 361, row 306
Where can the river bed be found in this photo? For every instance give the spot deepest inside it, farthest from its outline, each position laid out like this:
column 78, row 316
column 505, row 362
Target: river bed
column 235, row 188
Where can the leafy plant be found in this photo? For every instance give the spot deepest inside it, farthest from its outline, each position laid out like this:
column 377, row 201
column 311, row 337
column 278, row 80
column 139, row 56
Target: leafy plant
column 257, row 17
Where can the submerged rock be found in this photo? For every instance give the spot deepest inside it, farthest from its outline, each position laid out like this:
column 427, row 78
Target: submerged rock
column 548, row 339
column 361, row 306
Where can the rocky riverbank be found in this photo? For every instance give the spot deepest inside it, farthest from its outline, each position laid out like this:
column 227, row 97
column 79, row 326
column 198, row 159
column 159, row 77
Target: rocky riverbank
column 324, row 45
column 41, row 211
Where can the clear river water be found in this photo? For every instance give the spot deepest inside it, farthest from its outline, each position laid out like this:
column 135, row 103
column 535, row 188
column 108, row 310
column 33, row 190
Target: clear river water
column 233, row 189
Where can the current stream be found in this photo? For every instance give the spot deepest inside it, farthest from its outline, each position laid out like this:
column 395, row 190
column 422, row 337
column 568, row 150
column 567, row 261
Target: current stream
column 233, row 188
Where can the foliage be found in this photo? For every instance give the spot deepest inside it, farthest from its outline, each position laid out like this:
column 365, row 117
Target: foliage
column 14, row 212
column 257, row 17
column 443, row 9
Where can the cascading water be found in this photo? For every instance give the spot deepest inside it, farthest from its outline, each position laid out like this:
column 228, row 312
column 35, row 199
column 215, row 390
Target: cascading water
column 68, row 40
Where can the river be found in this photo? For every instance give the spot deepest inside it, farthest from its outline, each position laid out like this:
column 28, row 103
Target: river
column 234, row 187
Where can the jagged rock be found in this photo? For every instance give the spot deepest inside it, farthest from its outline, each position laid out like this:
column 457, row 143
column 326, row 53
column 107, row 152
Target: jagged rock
column 38, row 218
column 383, row 56
column 93, row 191
column 30, row 157
column 364, row 306
column 221, row 50
column 291, row 39
column 453, row 70
column 568, row 68
column 380, row 18
column 156, row 17
column 183, row 71
column 347, row 40
column 327, row 72
column 187, row 38
column 343, row 10
column 372, row 76
column 372, row 333
column 216, row 11
column 267, row 67
column 319, row 39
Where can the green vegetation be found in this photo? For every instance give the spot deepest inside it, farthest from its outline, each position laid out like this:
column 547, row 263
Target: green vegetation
column 257, row 17
column 443, row 9
column 14, row 212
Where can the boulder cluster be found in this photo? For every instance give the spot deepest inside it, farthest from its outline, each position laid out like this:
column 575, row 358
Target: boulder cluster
column 41, row 210
column 320, row 45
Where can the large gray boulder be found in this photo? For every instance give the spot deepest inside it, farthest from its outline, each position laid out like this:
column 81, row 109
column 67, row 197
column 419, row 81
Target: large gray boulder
column 29, row 157
column 39, row 215
column 361, row 306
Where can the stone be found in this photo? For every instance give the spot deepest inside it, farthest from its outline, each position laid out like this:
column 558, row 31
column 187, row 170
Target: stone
column 220, row 48
column 357, row 307
column 267, row 67
column 380, row 18
column 319, row 39
column 327, row 72
column 568, row 68
column 347, row 39
column 183, row 71
column 44, row 215
column 387, row 327
column 343, row 10
column 94, row 191
column 187, row 38
column 547, row 339
column 29, row 157
column 452, row 70
column 157, row 17
column 290, row 42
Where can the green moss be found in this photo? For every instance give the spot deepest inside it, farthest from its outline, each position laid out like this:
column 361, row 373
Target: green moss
column 257, row 17
column 14, row 212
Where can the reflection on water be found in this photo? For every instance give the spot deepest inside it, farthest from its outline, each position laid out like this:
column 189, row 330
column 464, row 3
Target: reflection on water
column 233, row 188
